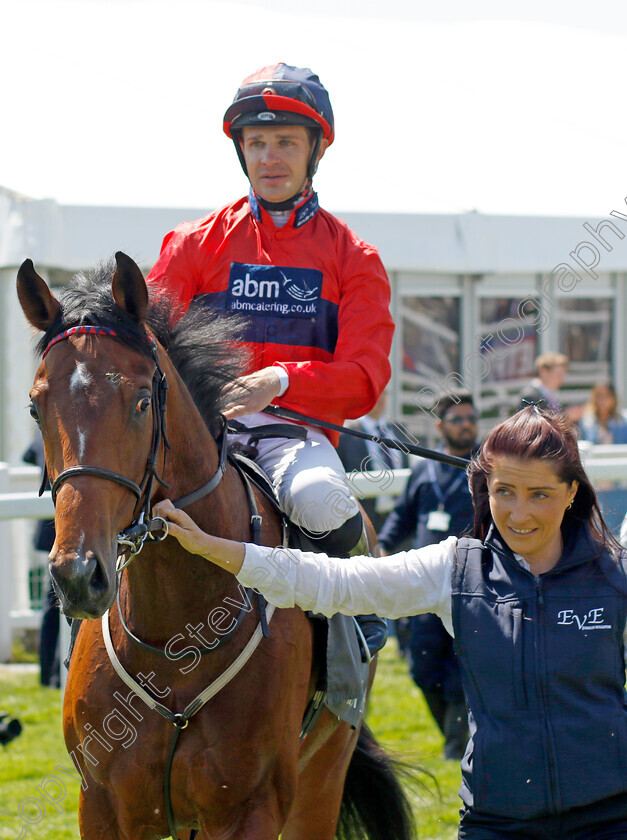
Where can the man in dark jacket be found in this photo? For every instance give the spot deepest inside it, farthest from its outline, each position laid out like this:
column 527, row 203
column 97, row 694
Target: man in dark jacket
column 436, row 504
column 358, row 454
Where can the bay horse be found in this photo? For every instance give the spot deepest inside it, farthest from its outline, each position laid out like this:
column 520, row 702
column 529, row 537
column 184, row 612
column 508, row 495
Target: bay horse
column 240, row 769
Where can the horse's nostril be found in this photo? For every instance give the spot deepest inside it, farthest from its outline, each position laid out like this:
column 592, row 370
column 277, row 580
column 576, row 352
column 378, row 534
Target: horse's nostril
column 97, row 581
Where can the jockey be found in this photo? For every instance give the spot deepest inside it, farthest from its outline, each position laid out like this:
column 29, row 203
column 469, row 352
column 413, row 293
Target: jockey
column 315, row 297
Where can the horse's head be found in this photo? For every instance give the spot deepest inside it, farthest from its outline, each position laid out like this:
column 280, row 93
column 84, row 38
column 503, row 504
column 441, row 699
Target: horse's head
column 93, row 401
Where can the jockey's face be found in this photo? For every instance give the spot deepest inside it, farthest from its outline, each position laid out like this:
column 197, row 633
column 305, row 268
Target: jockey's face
column 528, row 501
column 277, row 158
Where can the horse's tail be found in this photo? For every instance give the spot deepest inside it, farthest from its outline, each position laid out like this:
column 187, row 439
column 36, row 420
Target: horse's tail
column 374, row 805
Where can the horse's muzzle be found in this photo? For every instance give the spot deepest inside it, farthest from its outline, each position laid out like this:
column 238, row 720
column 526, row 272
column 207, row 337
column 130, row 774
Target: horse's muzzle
column 82, row 584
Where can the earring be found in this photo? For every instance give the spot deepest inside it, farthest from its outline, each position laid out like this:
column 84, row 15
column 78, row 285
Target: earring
column 570, row 505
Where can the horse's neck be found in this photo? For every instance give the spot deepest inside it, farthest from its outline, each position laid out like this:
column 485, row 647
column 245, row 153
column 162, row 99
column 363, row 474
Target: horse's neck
column 167, row 589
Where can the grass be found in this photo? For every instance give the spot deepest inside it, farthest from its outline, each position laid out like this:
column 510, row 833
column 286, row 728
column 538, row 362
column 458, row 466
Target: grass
column 29, row 765
column 400, row 720
column 22, row 653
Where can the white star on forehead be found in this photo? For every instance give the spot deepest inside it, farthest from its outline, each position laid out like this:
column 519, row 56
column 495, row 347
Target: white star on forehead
column 81, row 378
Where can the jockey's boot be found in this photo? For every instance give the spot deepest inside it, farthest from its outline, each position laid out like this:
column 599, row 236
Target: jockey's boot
column 349, row 540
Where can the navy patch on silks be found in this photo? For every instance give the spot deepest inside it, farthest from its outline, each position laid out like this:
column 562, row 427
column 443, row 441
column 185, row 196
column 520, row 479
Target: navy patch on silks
column 319, row 332
column 274, row 290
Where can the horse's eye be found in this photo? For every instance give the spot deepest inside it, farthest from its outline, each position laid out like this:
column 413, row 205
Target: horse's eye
column 32, row 408
column 143, row 405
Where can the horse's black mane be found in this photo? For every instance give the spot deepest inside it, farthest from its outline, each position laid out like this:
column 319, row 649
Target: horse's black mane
column 202, row 344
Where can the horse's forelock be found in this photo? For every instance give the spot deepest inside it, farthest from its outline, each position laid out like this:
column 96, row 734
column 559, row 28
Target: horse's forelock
column 88, row 300
column 202, row 345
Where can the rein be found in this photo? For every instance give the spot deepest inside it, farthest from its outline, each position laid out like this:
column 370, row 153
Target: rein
column 142, row 527
column 413, row 449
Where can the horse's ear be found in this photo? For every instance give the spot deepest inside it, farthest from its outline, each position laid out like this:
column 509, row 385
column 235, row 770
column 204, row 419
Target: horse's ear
column 39, row 304
column 129, row 288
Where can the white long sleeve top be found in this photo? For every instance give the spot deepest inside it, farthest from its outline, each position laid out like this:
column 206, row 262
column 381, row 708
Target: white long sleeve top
column 407, row 583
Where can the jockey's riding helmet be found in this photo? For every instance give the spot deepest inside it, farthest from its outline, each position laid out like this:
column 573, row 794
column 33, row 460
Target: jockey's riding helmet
column 280, row 94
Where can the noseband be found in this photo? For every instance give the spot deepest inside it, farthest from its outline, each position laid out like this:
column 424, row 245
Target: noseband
column 142, row 526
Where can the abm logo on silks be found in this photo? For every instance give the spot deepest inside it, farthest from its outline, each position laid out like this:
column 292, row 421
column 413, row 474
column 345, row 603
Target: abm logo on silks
column 274, row 290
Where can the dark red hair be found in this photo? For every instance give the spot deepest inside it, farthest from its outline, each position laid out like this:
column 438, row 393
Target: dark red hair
column 533, row 434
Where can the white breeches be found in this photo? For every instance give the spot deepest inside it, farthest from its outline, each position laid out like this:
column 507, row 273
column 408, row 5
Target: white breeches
column 308, row 476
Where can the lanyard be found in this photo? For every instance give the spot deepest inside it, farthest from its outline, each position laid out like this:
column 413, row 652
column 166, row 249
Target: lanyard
column 436, row 487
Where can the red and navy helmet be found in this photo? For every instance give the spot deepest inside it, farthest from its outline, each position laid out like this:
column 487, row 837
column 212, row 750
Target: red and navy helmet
column 281, row 94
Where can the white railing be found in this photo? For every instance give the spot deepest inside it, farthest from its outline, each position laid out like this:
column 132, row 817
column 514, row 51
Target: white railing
column 605, row 463
column 19, row 502
column 602, row 463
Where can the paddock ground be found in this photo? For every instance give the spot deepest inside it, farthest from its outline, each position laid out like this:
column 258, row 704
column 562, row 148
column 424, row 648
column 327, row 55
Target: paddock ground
column 30, row 765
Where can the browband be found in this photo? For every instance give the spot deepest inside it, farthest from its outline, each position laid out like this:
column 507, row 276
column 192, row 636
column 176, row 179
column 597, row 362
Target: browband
column 82, row 329
column 86, row 329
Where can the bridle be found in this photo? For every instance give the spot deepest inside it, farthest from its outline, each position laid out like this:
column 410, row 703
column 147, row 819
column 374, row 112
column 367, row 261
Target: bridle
column 142, row 526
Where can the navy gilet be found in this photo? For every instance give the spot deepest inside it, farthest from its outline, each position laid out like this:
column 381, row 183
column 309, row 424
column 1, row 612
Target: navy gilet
column 543, row 669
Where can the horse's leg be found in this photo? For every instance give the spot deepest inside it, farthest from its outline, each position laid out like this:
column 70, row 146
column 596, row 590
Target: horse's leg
column 96, row 815
column 99, row 818
column 260, row 819
column 316, row 806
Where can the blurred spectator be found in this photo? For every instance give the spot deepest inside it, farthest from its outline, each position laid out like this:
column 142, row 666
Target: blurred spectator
column 602, row 421
column 437, row 504
column 544, row 390
column 550, row 376
column 43, row 540
column 357, row 454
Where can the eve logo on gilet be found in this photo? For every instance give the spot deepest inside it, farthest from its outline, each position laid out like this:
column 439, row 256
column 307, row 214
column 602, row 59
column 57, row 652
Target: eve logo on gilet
column 592, row 620
column 274, row 290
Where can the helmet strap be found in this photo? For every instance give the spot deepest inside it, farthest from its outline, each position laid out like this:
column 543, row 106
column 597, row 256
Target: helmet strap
column 237, row 142
column 313, row 159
